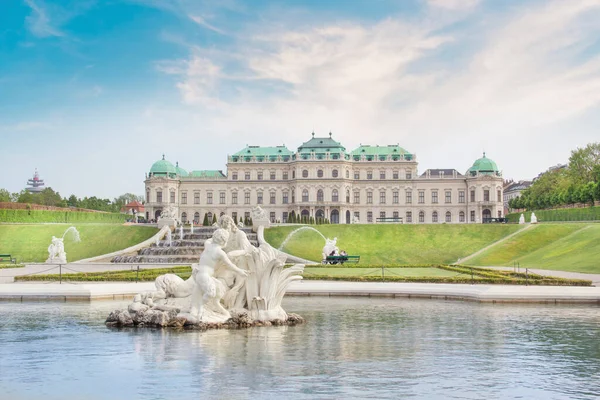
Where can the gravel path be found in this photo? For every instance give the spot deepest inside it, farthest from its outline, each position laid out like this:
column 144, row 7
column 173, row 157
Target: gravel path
column 595, row 278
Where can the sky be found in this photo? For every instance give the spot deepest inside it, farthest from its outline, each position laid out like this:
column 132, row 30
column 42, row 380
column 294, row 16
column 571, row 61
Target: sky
column 93, row 92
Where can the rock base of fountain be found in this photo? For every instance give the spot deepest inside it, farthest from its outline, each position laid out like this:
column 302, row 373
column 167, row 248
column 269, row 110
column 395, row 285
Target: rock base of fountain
column 170, row 222
column 165, row 317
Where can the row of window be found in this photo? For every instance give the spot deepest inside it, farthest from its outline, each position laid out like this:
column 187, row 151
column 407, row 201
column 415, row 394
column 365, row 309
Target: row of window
column 320, row 174
column 334, row 197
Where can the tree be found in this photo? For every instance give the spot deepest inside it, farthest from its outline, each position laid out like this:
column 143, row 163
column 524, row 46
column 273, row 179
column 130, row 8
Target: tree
column 214, row 219
column 583, row 161
column 73, row 201
column 5, row 195
column 205, row 222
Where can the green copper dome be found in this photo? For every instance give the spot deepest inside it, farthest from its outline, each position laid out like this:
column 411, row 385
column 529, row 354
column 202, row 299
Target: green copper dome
column 163, row 168
column 180, row 171
column 484, row 166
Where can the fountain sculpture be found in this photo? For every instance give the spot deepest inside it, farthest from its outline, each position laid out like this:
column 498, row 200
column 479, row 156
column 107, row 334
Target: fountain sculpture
column 521, row 219
column 533, row 218
column 234, row 284
column 56, row 250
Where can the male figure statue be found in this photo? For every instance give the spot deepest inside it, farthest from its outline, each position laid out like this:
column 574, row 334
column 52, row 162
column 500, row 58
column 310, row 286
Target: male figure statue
column 208, row 290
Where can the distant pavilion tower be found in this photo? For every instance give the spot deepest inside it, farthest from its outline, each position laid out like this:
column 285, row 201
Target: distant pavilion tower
column 36, row 184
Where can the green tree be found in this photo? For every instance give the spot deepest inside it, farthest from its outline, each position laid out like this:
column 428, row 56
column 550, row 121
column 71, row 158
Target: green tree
column 73, row 201
column 214, row 219
column 583, row 161
column 5, row 196
column 205, row 221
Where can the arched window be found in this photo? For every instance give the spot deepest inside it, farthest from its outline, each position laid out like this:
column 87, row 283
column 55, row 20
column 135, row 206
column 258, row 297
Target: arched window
column 434, row 217
column 334, row 195
column 320, row 195
column 448, row 216
column 305, row 195
column 421, row 216
column 196, row 218
column 334, row 173
column 461, row 216
column 347, row 196
column 148, row 195
column 210, row 217
column 183, row 217
column 305, row 173
column 320, row 173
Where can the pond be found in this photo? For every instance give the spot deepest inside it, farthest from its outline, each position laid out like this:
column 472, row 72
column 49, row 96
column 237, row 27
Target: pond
column 349, row 348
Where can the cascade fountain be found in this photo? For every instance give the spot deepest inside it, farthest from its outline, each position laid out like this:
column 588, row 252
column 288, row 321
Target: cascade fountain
column 234, row 285
column 292, row 233
column 56, row 250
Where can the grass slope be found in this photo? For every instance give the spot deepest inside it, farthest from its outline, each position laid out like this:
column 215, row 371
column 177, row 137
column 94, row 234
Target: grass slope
column 393, row 244
column 29, row 242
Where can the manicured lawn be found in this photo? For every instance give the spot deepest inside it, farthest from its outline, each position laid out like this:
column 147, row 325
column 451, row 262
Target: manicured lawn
column 389, row 272
column 579, row 252
column 393, row 244
column 524, row 243
column 29, row 242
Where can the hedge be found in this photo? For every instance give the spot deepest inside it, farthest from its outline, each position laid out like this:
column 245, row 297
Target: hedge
column 37, row 216
column 558, row 215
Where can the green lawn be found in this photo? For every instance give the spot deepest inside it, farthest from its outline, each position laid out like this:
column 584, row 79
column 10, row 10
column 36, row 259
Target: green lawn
column 389, row 272
column 29, row 242
column 393, row 244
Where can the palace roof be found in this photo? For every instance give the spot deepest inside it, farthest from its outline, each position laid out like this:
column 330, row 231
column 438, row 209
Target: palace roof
column 380, row 151
column 207, row 173
column 321, row 145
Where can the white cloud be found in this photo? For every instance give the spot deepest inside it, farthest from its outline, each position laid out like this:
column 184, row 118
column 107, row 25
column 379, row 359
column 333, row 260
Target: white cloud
column 39, row 22
column 202, row 22
column 454, row 4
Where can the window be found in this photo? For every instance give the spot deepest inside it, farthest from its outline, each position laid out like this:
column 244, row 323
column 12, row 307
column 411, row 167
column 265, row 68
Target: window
column 408, row 197
column 486, row 195
column 357, row 197
column 356, row 216
column 421, row 197
column 272, row 176
column 284, row 217
column 319, row 195
column 259, row 197
column 408, row 175
column 305, row 195
column 209, row 198
column 319, row 173
column 209, row 216
column 246, row 216
column 234, row 176
column 184, row 198
column 293, row 174
column 196, row 218
column 395, row 197
column 499, row 196
column 369, row 174
column 272, row 216
column 285, row 197
column 233, row 197
column 334, row 173
column 148, row 196
column 234, row 216
column 382, row 197
column 369, row 197
column 472, row 216
column 396, row 214
column 196, row 197
column 472, row 196
column 434, row 217
column 461, row 216
column 421, row 216
column 381, row 214
column 221, row 197
column 159, row 196
column 369, row 216
column 183, row 218
column 461, row 196
column 448, row 216
column 409, row 216
column 247, row 176
column 259, row 176
column 499, row 214
column 305, row 173
column 434, row 197
column 285, row 175
column 347, row 196
column 246, row 197
column 293, row 195
column 448, row 196
column 334, row 195
column 347, row 174
column 381, row 174
column 356, row 175
column 271, row 197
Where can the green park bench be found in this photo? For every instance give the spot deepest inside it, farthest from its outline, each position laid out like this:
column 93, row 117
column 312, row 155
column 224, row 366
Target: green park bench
column 341, row 259
column 7, row 257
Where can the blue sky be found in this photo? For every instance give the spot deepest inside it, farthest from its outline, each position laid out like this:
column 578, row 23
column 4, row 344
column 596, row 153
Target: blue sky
column 92, row 92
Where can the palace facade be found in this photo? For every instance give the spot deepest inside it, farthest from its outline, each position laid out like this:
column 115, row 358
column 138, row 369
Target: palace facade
column 369, row 184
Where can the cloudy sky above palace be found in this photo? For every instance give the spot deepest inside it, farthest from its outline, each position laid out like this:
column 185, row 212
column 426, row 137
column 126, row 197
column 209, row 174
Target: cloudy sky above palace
column 92, row 92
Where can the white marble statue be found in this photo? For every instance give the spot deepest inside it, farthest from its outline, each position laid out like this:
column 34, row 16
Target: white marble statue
column 259, row 218
column 330, row 248
column 533, row 218
column 56, row 251
column 521, row 219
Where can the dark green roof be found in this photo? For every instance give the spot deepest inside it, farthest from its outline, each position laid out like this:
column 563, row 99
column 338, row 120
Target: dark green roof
column 209, row 174
column 373, row 152
column 484, row 166
column 163, row 168
column 180, row 171
column 321, row 145
column 264, row 151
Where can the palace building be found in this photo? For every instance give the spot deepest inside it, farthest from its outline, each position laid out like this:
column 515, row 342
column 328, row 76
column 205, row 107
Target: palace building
column 369, row 184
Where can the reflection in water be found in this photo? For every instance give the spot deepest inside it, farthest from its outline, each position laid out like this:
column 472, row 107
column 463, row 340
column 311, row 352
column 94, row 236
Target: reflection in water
column 349, row 347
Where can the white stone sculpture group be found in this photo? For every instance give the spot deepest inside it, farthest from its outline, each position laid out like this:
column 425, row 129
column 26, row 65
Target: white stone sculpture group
column 231, row 275
column 56, row 251
column 533, row 219
column 330, row 248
